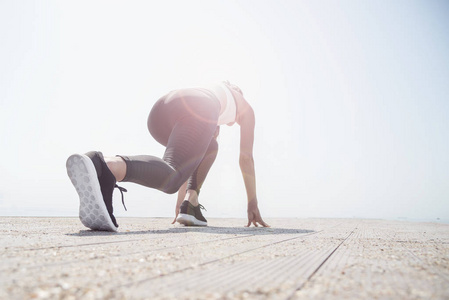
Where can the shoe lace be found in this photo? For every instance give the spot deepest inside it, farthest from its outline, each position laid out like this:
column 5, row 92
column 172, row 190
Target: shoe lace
column 121, row 189
column 202, row 207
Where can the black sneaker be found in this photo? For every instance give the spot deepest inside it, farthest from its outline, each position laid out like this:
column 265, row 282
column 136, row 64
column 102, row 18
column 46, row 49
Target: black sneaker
column 190, row 215
column 95, row 184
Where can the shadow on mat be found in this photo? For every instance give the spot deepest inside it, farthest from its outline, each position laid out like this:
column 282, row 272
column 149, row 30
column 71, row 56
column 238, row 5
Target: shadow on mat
column 208, row 229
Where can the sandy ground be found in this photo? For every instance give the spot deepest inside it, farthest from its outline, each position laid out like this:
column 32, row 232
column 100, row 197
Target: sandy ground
column 58, row 258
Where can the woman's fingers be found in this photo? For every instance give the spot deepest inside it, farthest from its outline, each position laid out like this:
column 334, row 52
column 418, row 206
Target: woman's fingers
column 264, row 224
column 176, row 216
column 256, row 221
column 250, row 219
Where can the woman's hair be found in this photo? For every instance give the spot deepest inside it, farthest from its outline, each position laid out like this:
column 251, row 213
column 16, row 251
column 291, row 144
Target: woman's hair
column 233, row 87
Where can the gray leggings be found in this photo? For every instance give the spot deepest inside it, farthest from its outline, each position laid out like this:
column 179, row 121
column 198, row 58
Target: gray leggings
column 184, row 121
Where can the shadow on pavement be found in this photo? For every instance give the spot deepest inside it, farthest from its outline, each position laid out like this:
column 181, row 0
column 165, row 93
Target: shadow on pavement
column 208, row 229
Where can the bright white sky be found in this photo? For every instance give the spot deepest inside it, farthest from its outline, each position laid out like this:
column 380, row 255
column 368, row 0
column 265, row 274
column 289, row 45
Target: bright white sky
column 351, row 101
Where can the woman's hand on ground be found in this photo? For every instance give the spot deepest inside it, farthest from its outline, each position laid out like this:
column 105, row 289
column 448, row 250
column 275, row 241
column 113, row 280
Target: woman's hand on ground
column 254, row 215
column 178, row 205
column 181, row 197
column 174, row 220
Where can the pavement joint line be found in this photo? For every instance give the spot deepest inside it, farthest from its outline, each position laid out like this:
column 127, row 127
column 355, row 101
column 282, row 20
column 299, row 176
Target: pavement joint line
column 379, row 260
column 280, row 270
column 319, row 267
column 214, row 260
column 184, row 245
column 191, row 281
column 74, row 245
column 222, row 258
column 183, row 230
column 143, row 251
column 239, row 275
column 132, row 253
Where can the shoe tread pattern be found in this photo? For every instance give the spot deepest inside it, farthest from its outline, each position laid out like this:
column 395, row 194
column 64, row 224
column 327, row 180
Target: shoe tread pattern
column 92, row 211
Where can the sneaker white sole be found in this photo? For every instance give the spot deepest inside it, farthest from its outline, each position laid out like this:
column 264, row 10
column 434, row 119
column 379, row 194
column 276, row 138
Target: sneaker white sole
column 189, row 220
column 93, row 212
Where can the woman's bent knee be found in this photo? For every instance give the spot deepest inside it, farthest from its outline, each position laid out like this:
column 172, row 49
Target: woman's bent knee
column 173, row 187
column 170, row 190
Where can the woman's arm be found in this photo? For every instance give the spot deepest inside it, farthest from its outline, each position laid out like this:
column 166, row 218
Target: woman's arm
column 247, row 122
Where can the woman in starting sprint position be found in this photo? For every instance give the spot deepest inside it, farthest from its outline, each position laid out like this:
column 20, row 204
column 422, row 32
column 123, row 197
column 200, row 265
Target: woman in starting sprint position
column 187, row 122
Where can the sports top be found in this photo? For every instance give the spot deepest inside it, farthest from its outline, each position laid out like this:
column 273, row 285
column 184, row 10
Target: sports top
column 228, row 112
